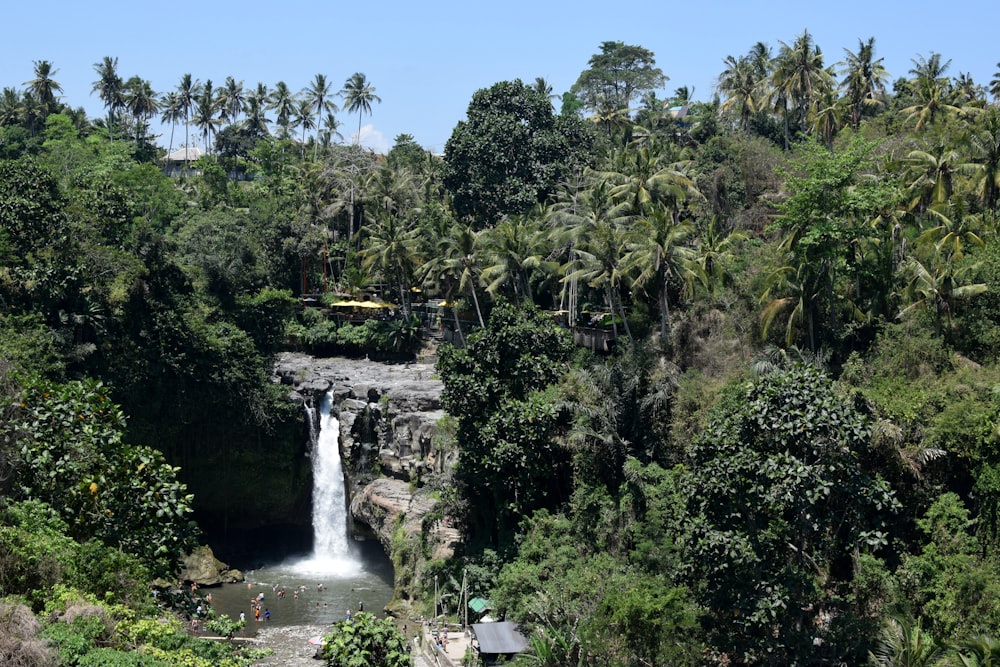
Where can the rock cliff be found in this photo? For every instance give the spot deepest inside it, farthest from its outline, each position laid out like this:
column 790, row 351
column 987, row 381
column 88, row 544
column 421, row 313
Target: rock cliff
column 388, row 414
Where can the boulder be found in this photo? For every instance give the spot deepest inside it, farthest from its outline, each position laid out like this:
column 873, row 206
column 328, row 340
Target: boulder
column 203, row 568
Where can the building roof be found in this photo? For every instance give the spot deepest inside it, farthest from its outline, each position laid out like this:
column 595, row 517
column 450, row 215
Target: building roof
column 185, row 154
column 478, row 604
column 499, row 638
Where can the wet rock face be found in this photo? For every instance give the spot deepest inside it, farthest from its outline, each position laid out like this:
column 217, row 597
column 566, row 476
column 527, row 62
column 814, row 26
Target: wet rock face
column 387, row 412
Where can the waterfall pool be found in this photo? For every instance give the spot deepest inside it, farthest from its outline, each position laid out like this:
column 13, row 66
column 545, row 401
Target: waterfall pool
column 339, row 575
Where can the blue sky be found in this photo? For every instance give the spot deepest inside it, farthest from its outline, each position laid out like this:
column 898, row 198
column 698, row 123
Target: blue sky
column 427, row 59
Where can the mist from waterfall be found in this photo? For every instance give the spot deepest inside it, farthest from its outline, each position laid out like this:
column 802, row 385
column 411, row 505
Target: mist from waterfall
column 331, row 547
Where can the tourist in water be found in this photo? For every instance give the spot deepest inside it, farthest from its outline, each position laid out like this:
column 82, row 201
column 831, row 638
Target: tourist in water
column 267, row 614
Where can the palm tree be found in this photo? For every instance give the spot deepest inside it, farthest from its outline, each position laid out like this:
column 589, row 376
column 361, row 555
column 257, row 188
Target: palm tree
column 206, row 107
column 109, row 88
column 932, row 89
column 800, row 76
column 317, row 95
column 256, row 121
column 742, row 87
column 573, row 218
column 10, row 107
column 826, row 117
column 984, row 144
column 544, row 88
column 930, row 173
column 600, row 263
column 282, row 102
column 305, row 119
column 44, row 87
column 358, row 95
column 937, row 286
column 391, row 249
column 656, row 255
column 142, row 102
column 187, row 90
column 330, row 130
column 231, row 100
column 995, row 85
column 902, row 644
column 864, row 79
column 171, row 112
column 516, row 250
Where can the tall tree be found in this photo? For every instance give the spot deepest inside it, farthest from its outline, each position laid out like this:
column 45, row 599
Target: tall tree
column 44, row 87
column 743, row 89
column 656, row 255
column 187, row 90
column 617, row 75
column 232, row 100
column 358, row 94
column 206, row 109
column 864, row 79
column 995, row 85
column 306, row 119
column 510, row 153
column 799, row 77
column 256, row 120
column 932, row 89
column 142, row 102
column 282, row 102
column 172, row 113
column 318, row 97
column 109, row 88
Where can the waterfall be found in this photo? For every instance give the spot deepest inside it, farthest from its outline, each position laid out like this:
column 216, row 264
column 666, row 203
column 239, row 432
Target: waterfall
column 331, row 549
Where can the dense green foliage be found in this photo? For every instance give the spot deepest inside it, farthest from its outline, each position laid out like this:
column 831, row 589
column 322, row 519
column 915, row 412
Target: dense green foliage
column 365, row 640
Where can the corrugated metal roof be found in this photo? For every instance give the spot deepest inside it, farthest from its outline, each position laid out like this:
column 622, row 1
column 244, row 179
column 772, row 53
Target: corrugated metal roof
column 499, row 638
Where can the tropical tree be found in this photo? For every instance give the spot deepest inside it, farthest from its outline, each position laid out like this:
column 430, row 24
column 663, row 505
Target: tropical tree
column 743, row 90
column 905, row 644
column 984, row 157
column 232, row 100
column 256, row 120
column 995, row 85
column 510, row 153
column 617, row 75
column 187, row 90
column 391, row 249
column 358, row 94
column 109, row 88
column 142, row 102
column 305, row 118
column 516, row 252
column 656, row 255
column 459, row 256
column 799, row 77
column 318, row 97
column 331, row 127
column 282, row 102
column 864, row 79
column 573, row 217
column 932, row 89
column 172, row 113
column 778, row 499
column 43, row 87
column 937, row 287
column 205, row 114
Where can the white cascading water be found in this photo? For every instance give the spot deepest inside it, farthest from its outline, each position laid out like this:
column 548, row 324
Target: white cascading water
column 331, row 549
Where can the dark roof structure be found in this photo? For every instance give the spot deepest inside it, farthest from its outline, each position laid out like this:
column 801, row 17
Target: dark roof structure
column 497, row 638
